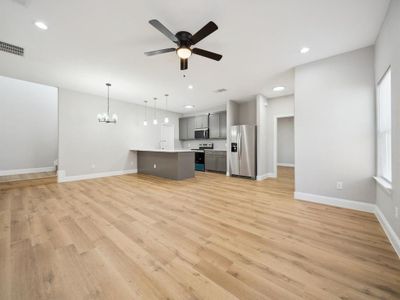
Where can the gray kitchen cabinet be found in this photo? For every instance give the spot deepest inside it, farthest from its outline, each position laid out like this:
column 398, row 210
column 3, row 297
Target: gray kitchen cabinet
column 186, row 128
column 201, row 121
column 222, row 125
column 215, row 161
column 221, row 163
column 214, row 131
column 210, row 161
column 191, row 126
column 217, row 125
column 183, row 128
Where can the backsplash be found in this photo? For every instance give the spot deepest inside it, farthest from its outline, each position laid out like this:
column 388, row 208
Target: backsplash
column 218, row 144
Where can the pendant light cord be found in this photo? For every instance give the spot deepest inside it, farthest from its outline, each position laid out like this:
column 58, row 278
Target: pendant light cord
column 108, row 100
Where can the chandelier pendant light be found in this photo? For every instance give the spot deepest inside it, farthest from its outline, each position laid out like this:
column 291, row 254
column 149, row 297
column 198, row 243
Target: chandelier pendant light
column 106, row 117
column 166, row 120
column 145, row 113
column 155, row 121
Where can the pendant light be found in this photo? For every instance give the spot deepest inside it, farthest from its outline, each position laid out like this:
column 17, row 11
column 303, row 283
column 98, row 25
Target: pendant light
column 105, row 117
column 166, row 120
column 145, row 113
column 155, row 121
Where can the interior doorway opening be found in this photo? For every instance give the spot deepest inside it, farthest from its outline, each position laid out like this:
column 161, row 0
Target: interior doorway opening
column 284, row 133
column 29, row 132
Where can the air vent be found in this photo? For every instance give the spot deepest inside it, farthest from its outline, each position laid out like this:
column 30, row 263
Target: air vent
column 220, row 90
column 11, row 49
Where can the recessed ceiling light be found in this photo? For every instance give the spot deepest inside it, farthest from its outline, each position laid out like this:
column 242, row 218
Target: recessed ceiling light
column 190, row 87
column 41, row 25
column 278, row 89
column 189, row 106
column 304, row 50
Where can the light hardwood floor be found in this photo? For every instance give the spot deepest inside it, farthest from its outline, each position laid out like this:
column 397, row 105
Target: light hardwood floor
column 210, row 237
column 23, row 180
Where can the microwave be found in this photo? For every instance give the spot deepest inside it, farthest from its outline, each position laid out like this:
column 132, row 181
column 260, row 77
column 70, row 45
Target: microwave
column 201, row 134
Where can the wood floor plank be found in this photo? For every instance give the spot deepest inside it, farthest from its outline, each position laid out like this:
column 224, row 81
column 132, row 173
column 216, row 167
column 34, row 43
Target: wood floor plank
column 209, row 237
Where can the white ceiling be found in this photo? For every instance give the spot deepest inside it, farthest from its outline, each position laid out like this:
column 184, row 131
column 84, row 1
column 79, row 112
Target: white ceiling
column 90, row 42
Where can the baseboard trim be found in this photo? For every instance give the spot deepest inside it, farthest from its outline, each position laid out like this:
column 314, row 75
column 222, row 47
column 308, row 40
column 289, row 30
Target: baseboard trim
column 356, row 205
column 338, row 202
column 63, row 178
column 265, row 176
column 285, row 165
column 27, row 171
column 392, row 236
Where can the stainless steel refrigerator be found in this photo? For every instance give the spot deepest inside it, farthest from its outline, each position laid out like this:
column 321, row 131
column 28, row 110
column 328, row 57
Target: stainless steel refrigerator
column 243, row 154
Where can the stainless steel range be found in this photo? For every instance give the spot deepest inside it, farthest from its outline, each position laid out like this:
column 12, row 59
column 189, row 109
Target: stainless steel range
column 199, row 156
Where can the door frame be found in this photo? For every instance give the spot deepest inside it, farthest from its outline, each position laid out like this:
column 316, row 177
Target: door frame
column 275, row 146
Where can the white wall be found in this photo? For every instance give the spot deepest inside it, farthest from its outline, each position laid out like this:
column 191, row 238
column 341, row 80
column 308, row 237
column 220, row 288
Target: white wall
column 28, row 126
column 387, row 53
column 247, row 113
column 285, row 139
column 262, row 138
column 232, row 118
column 87, row 146
column 335, row 126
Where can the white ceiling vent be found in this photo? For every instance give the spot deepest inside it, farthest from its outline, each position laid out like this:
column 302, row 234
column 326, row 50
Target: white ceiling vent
column 11, row 49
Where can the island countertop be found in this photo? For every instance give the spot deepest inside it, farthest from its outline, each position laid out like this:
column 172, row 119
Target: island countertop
column 163, row 150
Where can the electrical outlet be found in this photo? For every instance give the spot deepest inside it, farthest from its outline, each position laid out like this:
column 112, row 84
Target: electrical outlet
column 93, row 166
column 155, row 166
column 396, row 212
column 339, row 185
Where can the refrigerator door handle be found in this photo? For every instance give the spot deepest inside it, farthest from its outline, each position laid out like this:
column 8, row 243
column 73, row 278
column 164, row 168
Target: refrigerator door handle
column 240, row 145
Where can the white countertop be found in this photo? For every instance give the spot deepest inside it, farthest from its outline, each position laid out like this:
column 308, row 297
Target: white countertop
column 163, row 150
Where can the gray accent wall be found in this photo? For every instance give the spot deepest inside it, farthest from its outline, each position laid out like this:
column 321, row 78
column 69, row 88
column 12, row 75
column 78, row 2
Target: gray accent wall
column 387, row 54
column 89, row 147
column 335, row 126
column 28, row 125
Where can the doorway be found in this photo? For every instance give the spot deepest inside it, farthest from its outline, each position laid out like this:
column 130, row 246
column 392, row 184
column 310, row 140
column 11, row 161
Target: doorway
column 29, row 132
column 284, row 146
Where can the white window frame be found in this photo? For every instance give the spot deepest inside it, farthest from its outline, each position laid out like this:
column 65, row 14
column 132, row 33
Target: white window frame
column 384, row 130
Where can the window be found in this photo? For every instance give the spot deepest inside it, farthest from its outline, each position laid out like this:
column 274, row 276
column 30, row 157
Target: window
column 384, row 127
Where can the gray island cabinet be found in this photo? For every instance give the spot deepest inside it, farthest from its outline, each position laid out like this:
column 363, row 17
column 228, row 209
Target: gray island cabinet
column 172, row 164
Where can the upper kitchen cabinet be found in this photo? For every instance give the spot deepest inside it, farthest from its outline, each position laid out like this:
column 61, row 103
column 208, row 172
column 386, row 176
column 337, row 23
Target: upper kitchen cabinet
column 201, row 121
column 217, row 125
column 191, row 126
column 186, row 128
column 183, row 128
column 216, row 122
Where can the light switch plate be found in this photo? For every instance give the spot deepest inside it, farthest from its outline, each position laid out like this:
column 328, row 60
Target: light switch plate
column 339, row 185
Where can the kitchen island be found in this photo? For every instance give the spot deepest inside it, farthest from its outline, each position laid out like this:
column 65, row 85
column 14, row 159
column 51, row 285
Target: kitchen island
column 172, row 164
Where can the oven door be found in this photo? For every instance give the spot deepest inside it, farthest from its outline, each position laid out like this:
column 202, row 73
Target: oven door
column 201, row 134
column 199, row 161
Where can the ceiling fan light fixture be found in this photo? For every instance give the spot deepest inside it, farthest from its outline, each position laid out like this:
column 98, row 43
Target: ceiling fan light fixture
column 184, row 52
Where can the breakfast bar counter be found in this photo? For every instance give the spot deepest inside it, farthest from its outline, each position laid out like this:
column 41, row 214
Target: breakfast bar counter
column 172, row 164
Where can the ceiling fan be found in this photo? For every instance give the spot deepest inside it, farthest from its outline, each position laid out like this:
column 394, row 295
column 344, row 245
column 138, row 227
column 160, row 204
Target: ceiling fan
column 185, row 41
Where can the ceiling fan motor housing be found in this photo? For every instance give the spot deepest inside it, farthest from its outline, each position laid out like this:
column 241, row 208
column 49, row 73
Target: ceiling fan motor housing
column 185, row 38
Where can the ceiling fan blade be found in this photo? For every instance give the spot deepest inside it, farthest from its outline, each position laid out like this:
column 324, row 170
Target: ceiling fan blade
column 184, row 64
column 208, row 54
column 209, row 28
column 164, row 30
column 161, row 51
